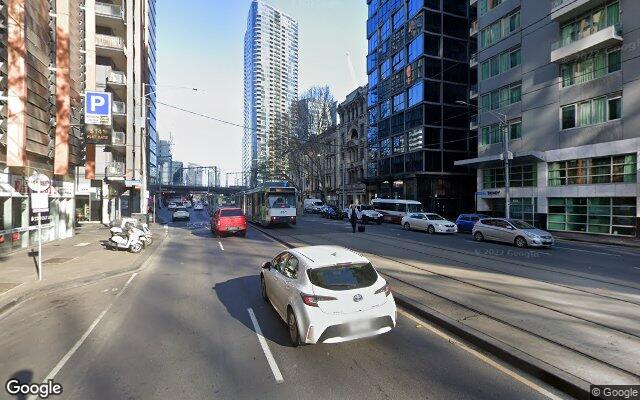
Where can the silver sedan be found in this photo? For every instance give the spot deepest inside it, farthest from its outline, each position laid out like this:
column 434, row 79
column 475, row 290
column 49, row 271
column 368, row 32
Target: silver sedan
column 513, row 231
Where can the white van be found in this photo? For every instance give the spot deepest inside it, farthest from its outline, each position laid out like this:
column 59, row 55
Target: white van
column 312, row 205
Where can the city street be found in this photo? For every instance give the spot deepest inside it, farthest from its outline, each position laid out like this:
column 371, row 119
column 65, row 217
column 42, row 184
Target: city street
column 181, row 328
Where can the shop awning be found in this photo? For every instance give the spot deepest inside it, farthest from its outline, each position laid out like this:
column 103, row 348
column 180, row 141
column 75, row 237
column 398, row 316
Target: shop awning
column 526, row 157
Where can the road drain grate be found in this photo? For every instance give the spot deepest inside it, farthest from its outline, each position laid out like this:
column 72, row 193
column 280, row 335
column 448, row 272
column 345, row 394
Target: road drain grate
column 58, row 260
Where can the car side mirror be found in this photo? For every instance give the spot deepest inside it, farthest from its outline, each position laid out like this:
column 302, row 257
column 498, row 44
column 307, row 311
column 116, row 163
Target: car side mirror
column 266, row 265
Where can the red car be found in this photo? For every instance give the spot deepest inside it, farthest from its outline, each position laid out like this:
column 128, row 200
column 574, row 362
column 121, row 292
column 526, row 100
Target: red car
column 229, row 220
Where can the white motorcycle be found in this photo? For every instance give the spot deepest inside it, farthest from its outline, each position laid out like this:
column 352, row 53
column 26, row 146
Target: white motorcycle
column 127, row 239
column 146, row 237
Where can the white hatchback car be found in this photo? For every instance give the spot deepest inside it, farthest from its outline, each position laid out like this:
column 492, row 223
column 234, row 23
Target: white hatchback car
column 180, row 214
column 327, row 294
column 429, row 222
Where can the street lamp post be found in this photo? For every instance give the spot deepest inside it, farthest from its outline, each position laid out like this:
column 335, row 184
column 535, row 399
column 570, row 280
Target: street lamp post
column 502, row 123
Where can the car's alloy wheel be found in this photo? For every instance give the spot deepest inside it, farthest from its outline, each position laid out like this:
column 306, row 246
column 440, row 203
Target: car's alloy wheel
column 478, row 236
column 263, row 289
column 407, row 226
column 521, row 242
column 431, row 229
column 294, row 335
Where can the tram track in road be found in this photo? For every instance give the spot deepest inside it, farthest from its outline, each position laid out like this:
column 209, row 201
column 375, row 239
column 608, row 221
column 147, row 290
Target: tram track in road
column 497, row 292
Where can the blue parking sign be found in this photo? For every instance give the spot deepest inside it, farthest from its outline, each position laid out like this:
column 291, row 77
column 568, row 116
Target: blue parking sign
column 97, row 108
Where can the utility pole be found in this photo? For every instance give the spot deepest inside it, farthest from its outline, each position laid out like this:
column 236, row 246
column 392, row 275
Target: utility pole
column 506, row 155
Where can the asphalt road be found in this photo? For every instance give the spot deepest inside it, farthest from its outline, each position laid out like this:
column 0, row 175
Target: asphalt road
column 181, row 329
column 606, row 261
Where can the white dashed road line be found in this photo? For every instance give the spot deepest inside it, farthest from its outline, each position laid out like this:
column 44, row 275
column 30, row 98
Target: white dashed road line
column 265, row 348
column 220, row 244
column 587, row 251
column 82, row 244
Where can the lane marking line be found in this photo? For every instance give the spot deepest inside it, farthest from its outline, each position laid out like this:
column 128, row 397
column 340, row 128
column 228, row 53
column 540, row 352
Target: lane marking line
column 482, row 357
column 126, row 285
column 265, row 348
column 220, row 244
column 82, row 244
column 589, row 251
column 72, row 351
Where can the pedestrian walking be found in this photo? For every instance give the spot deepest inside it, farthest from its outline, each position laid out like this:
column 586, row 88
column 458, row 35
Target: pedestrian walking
column 353, row 218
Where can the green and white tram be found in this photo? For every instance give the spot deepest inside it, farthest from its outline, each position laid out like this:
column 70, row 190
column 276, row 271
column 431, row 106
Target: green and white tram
column 270, row 204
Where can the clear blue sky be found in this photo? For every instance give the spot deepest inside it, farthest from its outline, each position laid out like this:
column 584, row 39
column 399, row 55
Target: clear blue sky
column 200, row 44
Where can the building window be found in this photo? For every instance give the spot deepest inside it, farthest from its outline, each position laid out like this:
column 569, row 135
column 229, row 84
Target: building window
column 415, row 139
column 399, row 60
column 592, row 67
column 373, row 79
column 385, row 109
column 385, row 148
column 416, row 48
column 589, row 23
column 373, row 43
column 500, row 29
column 385, row 31
column 488, row 5
column 491, row 134
column 500, row 64
column 519, row 176
column 609, row 169
column 399, row 19
column 415, row 26
column 385, row 69
column 415, row 6
column 415, row 94
column 398, row 102
column 603, row 215
column 502, row 97
column 398, row 144
column 591, row 112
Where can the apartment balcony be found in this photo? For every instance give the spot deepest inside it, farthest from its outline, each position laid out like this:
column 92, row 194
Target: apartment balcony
column 473, row 28
column 118, row 108
column 110, row 42
column 473, row 91
column 118, row 141
column 473, row 60
column 585, row 42
column 109, row 10
column 564, row 10
column 114, row 170
column 117, row 78
column 473, row 122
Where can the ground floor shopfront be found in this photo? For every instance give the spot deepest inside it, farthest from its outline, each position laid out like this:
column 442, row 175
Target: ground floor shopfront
column 448, row 195
column 19, row 225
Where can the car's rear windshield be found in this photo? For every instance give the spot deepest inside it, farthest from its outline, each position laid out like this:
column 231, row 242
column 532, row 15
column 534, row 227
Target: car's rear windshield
column 343, row 277
column 181, row 209
column 235, row 212
column 434, row 217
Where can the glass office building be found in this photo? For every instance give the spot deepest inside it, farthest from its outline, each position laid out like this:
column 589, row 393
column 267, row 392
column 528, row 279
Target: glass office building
column 418, row 71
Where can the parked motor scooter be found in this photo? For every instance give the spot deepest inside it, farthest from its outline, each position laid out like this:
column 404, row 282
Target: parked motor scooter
column 129, row 239
column 146, row 237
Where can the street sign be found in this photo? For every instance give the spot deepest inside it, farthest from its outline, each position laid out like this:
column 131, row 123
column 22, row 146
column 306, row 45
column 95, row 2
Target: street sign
column 98, row 134
column 97, row 108
column 39, row 182
column 39, row 202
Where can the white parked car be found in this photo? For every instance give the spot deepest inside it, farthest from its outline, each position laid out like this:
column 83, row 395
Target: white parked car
column 366, row 213
column 430, row 222
column 312, row 205
column 327, row 294
column 172, row 206
column 180, row 214
column 198, row 207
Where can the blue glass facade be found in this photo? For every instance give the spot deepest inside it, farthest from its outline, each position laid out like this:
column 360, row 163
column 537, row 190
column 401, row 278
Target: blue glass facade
column 152, row 133
column 418, row 68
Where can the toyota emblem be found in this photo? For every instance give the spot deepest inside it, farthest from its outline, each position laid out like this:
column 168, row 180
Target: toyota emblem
column 357, row 298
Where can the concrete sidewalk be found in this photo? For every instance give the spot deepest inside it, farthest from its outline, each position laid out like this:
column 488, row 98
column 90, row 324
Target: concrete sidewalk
column 571, row 331
column 67, row 263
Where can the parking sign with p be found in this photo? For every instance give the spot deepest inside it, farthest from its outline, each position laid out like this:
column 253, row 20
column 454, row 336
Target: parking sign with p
column 97, row 108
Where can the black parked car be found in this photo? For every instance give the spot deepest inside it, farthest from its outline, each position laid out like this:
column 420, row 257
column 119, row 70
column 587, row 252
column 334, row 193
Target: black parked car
column 332, row 212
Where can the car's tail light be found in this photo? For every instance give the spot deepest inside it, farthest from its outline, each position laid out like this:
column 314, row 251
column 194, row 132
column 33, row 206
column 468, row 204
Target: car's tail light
column 386, row 289
column 312, row 300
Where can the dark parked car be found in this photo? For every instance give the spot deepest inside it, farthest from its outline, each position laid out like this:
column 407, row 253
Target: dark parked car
column 465, row 222
column 332, row 212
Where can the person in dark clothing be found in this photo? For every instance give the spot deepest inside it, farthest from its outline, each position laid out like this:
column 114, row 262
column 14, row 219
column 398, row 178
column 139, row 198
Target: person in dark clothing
column 353, row 218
